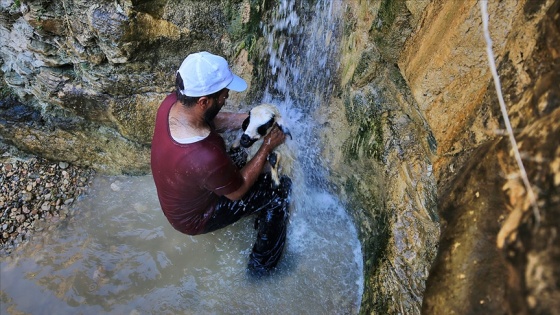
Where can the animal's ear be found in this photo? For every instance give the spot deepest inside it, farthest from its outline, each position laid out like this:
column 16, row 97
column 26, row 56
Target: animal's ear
column 245, row 123
column 263, row 129
column 286, row 131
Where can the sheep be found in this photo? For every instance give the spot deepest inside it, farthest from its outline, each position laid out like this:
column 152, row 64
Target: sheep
column 259, row 123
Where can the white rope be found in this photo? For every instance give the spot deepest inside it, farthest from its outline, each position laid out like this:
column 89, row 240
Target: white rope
column 530, row 193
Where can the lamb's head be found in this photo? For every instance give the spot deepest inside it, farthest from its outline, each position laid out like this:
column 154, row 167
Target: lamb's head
column 259, row 123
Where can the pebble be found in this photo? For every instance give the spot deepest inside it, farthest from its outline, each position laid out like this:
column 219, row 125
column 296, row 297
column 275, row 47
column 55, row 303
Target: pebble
column 34, row 189
column 116, row 186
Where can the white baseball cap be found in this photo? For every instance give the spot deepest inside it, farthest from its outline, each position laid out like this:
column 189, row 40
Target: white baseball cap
column 204, row 73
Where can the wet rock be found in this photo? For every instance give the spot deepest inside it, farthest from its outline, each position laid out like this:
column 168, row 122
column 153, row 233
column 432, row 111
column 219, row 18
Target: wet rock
column 91, row 82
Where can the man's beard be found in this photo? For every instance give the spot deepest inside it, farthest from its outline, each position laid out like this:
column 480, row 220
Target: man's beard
column 211, row 113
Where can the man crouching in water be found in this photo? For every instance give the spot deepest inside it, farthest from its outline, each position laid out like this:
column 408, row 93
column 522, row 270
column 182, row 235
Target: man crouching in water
column 199, row 187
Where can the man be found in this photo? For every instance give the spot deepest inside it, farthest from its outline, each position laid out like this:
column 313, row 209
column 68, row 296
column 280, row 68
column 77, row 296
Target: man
column 199, row 187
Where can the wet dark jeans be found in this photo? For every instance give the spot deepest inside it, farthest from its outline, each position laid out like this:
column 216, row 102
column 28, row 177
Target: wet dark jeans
column 261, row 196
column 272, row 206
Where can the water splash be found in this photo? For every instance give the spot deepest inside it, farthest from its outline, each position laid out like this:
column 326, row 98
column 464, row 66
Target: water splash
column 303, row 57
column 303, row 52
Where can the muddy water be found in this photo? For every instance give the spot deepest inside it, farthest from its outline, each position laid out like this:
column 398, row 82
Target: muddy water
column 118, row 255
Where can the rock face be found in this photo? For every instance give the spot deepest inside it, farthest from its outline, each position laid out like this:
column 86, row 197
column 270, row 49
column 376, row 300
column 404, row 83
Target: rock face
column 481, row 198
column 413, row 132
column 95, row 73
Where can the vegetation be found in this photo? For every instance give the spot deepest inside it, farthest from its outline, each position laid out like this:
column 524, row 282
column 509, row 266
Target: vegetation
column 5, row 91
column 364, row 111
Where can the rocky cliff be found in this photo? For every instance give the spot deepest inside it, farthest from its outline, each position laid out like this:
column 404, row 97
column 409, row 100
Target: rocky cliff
column 413, row 134
column 91, row 74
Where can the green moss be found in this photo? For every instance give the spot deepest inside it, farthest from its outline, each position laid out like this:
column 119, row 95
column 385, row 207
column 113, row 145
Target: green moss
column 5, row 91
column 246, row 34
column 364, row 111
column 235, row 29
column 366, row 69
column 16, row 5
column 368, row 141
column 350, row 22
column 391, row 28
column 389, row 10
column 349, row 109
column 363, row 64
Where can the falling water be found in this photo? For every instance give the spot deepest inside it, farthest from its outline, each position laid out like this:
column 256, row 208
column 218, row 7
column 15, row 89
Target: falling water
column 118, row 254
column 303, row 59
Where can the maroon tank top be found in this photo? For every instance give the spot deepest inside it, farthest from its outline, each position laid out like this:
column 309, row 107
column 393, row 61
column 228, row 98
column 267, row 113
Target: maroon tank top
column 190, row 177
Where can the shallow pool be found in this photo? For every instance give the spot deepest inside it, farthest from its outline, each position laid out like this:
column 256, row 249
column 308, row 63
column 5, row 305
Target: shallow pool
column 118, row 255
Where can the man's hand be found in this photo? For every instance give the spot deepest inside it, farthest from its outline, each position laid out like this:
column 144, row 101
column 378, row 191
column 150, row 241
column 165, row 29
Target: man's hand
column 254, row 167
column 274, row 138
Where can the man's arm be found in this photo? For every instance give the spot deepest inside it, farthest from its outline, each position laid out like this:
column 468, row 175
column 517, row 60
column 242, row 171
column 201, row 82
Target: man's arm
column 254, row 167
column 229, row 121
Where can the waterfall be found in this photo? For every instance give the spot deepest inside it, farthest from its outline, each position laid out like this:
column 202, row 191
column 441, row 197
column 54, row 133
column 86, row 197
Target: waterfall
column 119, row 255
column 303, row 49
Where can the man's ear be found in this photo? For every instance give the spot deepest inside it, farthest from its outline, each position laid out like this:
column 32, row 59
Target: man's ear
column 204, row 102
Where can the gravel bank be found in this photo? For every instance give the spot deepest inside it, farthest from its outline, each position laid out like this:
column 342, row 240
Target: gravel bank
column 34, row 190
